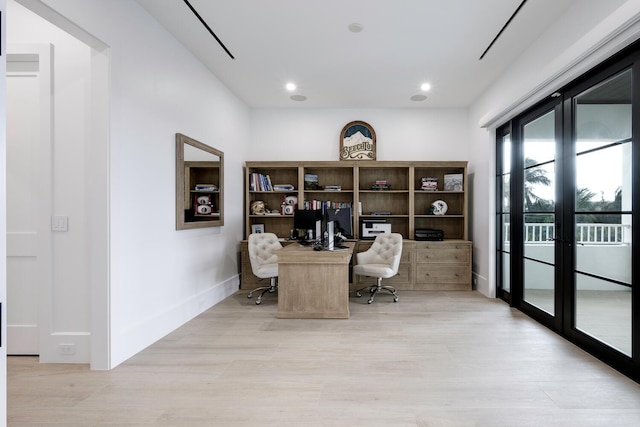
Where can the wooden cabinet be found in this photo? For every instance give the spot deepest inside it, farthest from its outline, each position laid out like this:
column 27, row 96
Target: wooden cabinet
column 443, row 265
column 454, row 222
column 426, row 266
column 388, row 190
column 392, row 204
column 402, row 203
column 279, row 175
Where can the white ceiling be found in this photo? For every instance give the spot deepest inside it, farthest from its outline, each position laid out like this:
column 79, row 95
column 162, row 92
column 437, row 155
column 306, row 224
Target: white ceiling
column 403, row 44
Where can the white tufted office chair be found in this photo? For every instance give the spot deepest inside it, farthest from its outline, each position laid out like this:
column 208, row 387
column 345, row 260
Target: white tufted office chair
column 264, row 261
column 381, row 261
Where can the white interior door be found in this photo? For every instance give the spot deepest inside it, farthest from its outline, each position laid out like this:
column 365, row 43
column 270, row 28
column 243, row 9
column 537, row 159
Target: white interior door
column 25, row 203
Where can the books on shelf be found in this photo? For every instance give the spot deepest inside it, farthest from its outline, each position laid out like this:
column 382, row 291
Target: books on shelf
column 429, row 184
column 333, row 187
column 205, row 187
column 381, row 184
column 259, row 182
column 323, row 205
column 283, row 187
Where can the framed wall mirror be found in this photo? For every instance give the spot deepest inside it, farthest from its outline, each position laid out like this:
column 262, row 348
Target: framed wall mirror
column 199, row 184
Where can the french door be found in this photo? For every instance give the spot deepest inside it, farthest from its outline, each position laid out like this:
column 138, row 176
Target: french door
column 567, row 192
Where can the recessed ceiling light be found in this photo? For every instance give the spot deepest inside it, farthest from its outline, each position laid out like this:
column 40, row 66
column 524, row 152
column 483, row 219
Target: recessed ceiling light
column 298, row 98
column 425, row 87
column 355, row 27
column 291, row 87
column 418, row 97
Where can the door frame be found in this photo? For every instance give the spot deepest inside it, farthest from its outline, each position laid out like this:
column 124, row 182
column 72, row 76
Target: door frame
column 517, row 215
column 44, row 274
column 564, row 324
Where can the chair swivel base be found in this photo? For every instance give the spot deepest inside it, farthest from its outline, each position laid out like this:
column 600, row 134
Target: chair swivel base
column 271, row 288
column 373, row 290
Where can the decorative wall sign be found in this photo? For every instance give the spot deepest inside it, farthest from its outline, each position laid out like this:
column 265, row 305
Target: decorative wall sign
column 357, row 142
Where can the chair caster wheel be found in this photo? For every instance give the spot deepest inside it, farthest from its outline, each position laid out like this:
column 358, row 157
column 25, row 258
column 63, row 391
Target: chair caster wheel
column 395, row 299
column 249, row 296
column 358, row 294
column 258, row 302
column 370, row 301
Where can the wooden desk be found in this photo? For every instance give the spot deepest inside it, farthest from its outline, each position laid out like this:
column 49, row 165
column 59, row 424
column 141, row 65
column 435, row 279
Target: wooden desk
column 313, row 284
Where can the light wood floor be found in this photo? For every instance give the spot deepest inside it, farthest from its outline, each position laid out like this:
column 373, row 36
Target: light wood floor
column 432, row 359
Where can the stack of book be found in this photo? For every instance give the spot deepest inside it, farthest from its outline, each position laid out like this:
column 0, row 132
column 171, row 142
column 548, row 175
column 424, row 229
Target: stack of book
column 381, row 184
column 324, row 205
column 429, row 184
column 206, row 187
column 283, row 187
column 259, row 182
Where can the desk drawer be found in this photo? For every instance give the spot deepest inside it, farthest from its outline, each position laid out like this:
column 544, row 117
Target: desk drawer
column 402, row 278
column 443, row 273
column 444, row 254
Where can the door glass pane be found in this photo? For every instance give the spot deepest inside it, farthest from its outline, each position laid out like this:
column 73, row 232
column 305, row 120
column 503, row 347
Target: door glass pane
column 506, row 200
column 603, row 310
column 506, row 272
column 539, row 188
column 539, row 285
column 504, row 230
column 506, row 154
column 603, row 214
column 539, row 212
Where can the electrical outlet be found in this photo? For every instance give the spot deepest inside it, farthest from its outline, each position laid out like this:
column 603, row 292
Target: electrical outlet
column 475, row 281
column 59, row 223
column 67, row 349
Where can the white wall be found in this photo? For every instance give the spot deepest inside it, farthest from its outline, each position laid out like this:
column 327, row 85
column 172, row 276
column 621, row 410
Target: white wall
column 314, row 134
column 3, row 220
column 160, row 277
column 589, row 32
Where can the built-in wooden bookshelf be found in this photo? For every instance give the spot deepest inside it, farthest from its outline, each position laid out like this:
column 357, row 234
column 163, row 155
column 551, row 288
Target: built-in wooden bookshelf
column 403, row 203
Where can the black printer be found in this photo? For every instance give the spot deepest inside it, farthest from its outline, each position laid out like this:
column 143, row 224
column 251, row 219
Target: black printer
column 429, row 234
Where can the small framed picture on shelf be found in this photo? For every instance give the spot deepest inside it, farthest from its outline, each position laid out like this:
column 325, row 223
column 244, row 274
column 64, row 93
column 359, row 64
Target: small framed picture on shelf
column 453, row 182
column 257, row 228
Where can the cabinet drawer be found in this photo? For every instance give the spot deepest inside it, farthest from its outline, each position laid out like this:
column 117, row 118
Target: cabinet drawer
column 443, row 273
column 444, row 254
column 403, row 277
column 407, row 250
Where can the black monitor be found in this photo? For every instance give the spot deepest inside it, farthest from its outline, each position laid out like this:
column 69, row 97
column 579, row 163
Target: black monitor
column 343, row 220
column 306, row 220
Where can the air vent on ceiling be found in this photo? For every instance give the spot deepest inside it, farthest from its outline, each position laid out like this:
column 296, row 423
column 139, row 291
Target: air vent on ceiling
column 208, row 28
column 502, row 30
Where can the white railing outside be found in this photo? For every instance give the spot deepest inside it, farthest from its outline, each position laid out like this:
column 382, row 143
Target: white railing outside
column 593, row 234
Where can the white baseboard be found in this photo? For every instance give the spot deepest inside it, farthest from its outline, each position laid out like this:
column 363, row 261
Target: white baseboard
column 145, row 333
